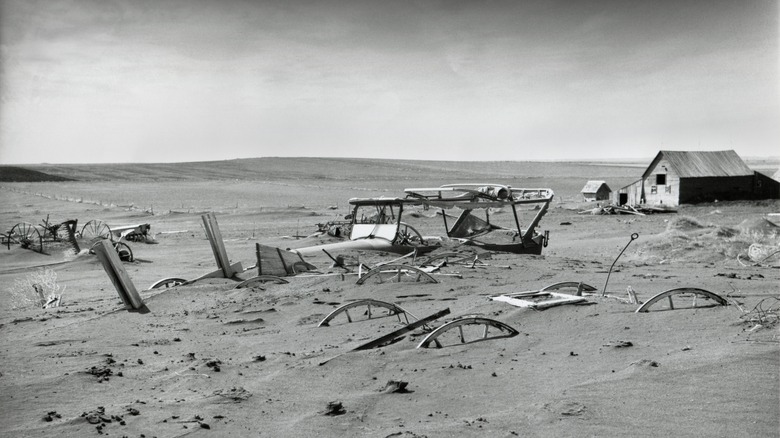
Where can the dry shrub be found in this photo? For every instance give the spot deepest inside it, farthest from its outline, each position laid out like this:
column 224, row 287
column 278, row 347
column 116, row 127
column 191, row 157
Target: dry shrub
column 685, row 223
column 687, row 239
column 35, row 289
column 765, row 314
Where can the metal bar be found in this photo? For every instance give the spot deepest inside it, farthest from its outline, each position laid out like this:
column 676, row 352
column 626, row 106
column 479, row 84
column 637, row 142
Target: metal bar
column 634, row 236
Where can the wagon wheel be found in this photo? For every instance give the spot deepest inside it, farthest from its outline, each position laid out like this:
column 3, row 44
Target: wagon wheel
column 408, row 234
column 27, row 235
column 124, row 251
column 482, row 332
column 167, row 282
column 260, row 279
column 393, row 273
column 95, row 230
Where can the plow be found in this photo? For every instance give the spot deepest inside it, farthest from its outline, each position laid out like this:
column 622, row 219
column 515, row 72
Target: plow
column 48, row 235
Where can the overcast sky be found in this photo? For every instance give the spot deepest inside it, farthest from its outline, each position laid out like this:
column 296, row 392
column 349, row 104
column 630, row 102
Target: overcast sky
column 192, row 80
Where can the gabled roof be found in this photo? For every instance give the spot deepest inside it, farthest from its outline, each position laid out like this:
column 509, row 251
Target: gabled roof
column 693, row 164
column 594, row 186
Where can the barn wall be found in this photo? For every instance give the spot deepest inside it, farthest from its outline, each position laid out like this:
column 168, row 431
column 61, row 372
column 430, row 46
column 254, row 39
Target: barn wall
column 662, row 194
column 633, row 194
column 765, row 187
column 722, row 188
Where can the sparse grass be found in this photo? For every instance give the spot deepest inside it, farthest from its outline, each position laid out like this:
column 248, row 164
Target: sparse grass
column 35, row 289
column 765, row 314
column 685, row 223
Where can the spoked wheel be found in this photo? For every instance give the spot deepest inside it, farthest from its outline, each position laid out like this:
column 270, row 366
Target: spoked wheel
column 394, row 273
column 95, row 230
column 122, row 250
column 27, row 235
column 408, row 234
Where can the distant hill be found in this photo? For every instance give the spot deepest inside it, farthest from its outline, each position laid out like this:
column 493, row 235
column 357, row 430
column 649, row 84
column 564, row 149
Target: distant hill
column 21, row 174
column 334, row 169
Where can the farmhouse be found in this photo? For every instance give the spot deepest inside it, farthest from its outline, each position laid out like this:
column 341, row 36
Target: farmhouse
column 596, row 191
column 679, row 177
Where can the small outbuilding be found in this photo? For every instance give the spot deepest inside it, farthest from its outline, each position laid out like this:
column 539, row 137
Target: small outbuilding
column 680, row 177
column 596, row 191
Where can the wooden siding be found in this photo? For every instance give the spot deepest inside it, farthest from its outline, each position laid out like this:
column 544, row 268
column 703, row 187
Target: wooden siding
column 602, row 194
column 631, row 192
column 661, row 194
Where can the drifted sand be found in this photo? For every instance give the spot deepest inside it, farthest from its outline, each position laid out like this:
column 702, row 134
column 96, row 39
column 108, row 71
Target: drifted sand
column 210, row 360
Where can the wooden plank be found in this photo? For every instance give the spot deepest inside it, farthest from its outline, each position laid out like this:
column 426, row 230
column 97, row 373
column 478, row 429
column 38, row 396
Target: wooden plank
column 217, row 244
column 557, row 300
column 118, row 275
column 391, row 336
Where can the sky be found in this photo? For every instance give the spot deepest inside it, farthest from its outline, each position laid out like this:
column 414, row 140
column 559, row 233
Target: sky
column 90, row 81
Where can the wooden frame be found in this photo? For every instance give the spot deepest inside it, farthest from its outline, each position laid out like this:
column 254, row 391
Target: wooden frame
column 554, row 298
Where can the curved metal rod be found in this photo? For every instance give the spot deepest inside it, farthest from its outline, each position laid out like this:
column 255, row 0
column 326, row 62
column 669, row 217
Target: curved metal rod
column 261, row 279
column 399, row 270
column 473, row 320
column 634, row 236
column 681, row 290
column 167, row 282
column 561, row 285
column 368, row 302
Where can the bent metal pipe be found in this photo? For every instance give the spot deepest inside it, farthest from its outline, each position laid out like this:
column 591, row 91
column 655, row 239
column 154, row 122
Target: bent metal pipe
column 634, row 236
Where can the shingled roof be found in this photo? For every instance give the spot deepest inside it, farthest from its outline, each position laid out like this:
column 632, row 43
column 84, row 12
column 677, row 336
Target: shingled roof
column 594, row 186
column 697, row 164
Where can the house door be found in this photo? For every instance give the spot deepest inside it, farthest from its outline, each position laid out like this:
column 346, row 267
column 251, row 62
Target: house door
column 623, row 199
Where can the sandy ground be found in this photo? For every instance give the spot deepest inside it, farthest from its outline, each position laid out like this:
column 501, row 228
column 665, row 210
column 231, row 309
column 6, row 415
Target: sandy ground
column 211, row 360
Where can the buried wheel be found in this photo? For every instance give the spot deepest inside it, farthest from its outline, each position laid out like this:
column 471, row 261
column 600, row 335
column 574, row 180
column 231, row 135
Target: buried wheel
column 122, row 250
column 95, row 230
column 26, row 235
column 407, row 234
column 165, row 283
column 395, row 273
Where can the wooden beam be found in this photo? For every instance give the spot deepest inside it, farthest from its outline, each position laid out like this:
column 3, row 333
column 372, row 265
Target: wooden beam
column 219, row 273
column 116, row 272
column 217, row 244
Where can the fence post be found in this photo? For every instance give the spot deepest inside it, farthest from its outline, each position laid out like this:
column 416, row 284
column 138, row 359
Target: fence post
column 217, row 245
column 118, row 275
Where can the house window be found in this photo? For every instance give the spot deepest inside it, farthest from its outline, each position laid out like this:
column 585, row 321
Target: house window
column 653, row 190
column 660, row 179
column 668, row 189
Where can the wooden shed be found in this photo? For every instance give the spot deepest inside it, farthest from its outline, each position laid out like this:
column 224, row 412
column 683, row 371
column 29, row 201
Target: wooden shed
column 596, row 191
column 680, row 177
